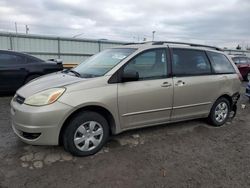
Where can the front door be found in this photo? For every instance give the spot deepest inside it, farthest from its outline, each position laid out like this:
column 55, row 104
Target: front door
column 147, row 101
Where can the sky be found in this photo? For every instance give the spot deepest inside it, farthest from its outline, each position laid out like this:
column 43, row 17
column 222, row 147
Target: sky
column 224, row 23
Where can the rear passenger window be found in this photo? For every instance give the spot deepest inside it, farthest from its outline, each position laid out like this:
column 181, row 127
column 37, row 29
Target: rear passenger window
column 220, row 63
column 190, row 62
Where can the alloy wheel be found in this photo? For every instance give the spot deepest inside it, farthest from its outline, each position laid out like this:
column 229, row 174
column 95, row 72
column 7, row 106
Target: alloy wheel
column 221, row 112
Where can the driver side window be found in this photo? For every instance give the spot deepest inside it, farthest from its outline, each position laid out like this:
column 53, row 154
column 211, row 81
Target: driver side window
column 149, row 65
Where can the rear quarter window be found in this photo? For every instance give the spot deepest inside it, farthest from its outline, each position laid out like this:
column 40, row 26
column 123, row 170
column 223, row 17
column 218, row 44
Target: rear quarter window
column 220, row 63
column 31, row 59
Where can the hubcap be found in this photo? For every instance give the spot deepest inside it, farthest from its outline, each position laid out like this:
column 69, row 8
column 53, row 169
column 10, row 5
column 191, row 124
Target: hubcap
column 221, row 112
column 88, row 136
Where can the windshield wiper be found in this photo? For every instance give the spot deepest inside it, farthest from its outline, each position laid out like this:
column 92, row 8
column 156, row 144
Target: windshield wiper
column 89, row 75
column 74, row 72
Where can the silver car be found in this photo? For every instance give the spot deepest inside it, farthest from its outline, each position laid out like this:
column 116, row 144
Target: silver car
column 128, row 87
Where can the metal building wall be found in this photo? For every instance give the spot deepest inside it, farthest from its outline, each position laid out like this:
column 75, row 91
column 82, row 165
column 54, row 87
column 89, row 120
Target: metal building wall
column 70, row 50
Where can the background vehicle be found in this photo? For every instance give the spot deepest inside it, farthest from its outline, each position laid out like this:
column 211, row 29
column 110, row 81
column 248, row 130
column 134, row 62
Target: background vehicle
column 125, row 88
column 243, row 64
column 17, row 68
column 248, row 90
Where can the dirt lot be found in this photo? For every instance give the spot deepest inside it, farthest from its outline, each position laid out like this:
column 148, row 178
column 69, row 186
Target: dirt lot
column 187, row 154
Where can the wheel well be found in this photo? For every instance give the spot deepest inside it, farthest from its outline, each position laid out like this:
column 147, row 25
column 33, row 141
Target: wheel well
column 228, row 98
column 98, row 109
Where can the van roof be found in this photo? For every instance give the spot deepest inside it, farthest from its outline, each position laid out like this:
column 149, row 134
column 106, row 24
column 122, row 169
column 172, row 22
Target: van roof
column 172, row 44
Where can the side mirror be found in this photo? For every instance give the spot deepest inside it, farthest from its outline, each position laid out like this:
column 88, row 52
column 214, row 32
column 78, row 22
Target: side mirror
column 130, row 75
column 58, row 61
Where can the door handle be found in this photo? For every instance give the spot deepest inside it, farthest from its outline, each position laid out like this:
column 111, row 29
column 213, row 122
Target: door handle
column 179, row 83
column 166, row 84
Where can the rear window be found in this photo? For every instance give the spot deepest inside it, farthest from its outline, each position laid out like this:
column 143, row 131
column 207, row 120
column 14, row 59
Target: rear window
column 220, row 63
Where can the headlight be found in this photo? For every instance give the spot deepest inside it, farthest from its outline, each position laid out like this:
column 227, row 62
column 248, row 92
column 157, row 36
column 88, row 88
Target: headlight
column 45, row 97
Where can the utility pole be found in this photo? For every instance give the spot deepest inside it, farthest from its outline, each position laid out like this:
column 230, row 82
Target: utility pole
column 153, row 35
column 16, row 27
column 27, row 29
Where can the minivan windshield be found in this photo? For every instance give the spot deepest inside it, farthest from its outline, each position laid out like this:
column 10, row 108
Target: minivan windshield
column 101, row 63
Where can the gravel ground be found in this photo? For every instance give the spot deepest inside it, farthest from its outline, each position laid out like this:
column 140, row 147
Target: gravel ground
column 187, row 154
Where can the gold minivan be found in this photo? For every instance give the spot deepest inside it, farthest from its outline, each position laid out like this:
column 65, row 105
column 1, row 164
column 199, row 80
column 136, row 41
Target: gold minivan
column 127, row 87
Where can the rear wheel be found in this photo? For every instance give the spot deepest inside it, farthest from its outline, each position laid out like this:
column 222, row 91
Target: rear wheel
column 220, row 112
column 86, row 134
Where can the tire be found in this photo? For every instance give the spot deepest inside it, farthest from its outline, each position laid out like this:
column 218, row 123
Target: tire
column 218, row 116
column 31, row 77
column 82, row 138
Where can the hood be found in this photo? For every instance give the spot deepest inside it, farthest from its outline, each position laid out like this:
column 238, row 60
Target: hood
column 46, row 82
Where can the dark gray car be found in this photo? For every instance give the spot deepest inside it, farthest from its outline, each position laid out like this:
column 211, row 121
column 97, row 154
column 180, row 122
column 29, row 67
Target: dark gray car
column 17, row 68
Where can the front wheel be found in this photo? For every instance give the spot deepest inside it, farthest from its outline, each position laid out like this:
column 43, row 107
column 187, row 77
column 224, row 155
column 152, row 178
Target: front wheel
column 86, row 134
column 219, row 112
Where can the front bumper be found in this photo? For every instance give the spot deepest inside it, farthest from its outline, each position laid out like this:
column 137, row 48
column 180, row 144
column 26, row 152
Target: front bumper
column 38, row 125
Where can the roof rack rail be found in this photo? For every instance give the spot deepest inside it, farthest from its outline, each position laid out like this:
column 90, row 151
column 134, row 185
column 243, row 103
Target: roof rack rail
column 185, row 43
column 131, row 43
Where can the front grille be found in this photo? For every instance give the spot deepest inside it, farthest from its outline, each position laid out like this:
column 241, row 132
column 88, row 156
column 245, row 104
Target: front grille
column 19, row 99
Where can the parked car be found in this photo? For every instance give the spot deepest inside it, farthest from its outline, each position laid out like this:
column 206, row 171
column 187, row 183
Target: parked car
column 243, row 64
column 124, row 88
column 248, row 90
column 17, row 69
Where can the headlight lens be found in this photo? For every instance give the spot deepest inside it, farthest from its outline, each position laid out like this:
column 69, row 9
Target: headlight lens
column 45, row 97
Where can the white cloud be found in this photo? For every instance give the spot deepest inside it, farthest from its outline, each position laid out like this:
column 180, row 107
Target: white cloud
column 224, row 22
